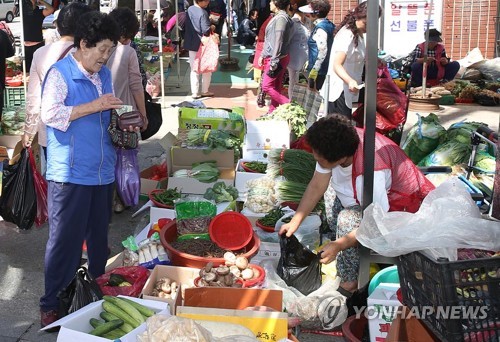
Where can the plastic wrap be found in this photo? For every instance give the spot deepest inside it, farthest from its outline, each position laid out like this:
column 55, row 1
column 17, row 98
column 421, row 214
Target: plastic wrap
column 447, row 219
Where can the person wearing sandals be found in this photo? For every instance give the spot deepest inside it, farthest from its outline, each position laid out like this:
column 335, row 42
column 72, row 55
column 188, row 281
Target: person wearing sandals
column 338, row 149
column 198, row 26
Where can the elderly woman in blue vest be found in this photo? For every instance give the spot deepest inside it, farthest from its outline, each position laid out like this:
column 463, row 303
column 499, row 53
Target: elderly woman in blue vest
column 319, row 43
column 77, row 99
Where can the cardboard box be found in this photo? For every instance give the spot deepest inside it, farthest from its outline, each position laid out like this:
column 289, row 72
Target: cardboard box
column 148, row 185
column 241, row 178
column 266, row 325
column 232, row 120
column 265, row 135
column 184, row 276
column 76, row 326
column 382, row 309
column 183, row 158
column 228, row 304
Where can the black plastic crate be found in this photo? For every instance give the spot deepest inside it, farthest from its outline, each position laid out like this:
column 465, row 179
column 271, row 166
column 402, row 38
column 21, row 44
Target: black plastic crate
column 457, row 300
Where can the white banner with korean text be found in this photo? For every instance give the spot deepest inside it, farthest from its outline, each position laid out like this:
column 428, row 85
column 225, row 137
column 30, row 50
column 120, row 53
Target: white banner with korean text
column 405, row 22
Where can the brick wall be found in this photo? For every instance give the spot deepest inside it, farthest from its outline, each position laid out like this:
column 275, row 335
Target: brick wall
column 466, row 24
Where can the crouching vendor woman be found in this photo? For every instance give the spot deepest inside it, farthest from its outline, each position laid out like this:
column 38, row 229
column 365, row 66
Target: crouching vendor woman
column 338, row 149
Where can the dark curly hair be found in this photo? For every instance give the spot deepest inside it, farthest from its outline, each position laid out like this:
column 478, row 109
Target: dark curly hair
column 69, row 16
column 127, row 21
column 282, row 4
column 333, row 138
column 321, row 7
column 359, row 12
column 95, row 27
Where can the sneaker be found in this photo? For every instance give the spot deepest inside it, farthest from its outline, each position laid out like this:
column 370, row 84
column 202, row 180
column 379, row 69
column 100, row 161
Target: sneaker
column 47, row 318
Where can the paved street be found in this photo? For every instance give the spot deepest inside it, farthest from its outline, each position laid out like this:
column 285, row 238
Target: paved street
column 22, row 253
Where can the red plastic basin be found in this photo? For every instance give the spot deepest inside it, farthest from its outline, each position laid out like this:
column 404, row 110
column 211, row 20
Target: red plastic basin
column 168, row 234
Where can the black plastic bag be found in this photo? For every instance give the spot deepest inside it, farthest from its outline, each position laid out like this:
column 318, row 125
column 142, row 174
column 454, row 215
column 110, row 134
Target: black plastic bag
column 298, row 266
column 81, row 291
column 155, row 120
column 18, row 201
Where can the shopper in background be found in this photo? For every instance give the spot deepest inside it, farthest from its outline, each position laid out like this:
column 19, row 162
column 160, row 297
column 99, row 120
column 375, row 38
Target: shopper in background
column 347, row 60
column 124, row 66
column 301, row 29
column 319, row 43
column 247, row 30
column 439, row 67
column 338, row 149
column 33, row 17
column 275, row 55
column 43, row 59
column 197, row 27
column 6, row 51
column 259, row 46
column 77, row 98
column 217, row 13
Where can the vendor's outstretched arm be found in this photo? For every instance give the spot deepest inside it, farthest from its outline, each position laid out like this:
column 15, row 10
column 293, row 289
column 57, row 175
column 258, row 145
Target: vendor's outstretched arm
column 315, row 190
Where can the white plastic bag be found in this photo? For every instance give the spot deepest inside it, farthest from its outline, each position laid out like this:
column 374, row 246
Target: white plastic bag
column 447, row 218
column 323, row 309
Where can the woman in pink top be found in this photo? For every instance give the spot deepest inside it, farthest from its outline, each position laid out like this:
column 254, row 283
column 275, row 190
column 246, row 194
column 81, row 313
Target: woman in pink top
column 42, row 61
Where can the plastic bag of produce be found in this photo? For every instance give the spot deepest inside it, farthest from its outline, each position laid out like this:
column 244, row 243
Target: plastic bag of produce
column 462, row 131
column 448, row 154
column 18, row 201
column 128, row 180
column 298, row 266
column 193, row 215
column 424, row 137
column 448, row 218
column 127, row 281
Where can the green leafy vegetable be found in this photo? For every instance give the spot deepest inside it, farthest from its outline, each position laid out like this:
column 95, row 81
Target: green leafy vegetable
column 294, row 165
column 220, row 192
column 424, row 137
column 168, row 196
column 205, row 172
column 272, row 217
column 294, row 114
column 448, row 154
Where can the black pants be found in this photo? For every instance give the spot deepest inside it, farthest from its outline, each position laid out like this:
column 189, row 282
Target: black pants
column 29, row 51
column 339, row 107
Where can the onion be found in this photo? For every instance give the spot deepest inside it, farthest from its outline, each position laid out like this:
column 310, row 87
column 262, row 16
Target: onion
column 241, row 262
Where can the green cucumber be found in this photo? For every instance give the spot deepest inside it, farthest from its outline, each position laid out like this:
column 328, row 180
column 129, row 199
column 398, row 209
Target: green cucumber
column 141, row 308
column 94, row 322
column 113, row 334
column 106, row 327
column 126, row 307
column 110, row 317
column 115, row 310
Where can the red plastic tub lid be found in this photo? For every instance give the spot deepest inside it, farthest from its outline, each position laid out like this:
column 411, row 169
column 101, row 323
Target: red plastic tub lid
column 230, row 230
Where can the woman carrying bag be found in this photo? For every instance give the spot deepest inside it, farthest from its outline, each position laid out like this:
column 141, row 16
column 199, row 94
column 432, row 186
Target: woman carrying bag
column 198, row 29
